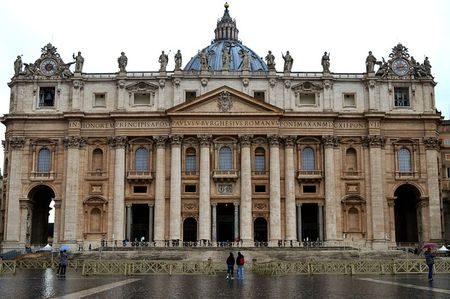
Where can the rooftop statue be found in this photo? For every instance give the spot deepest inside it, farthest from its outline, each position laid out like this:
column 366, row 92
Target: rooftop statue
column 79, row 61
column 18, row 66
column 288, row 61
column 204, row 60
column 270, row 60
column 326, row 62
column 245, row 63
column 178, row 60
column 123, row 61
column 370, row 63
column 226, row 58
column 163, row 60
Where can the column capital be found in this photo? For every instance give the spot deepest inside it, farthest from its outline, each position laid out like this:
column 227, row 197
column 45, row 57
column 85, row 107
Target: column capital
column 176, row 139
column 373, row 141
column 330, row 140
column 160, row 141
column 274, row 140
column 214, row 204
column 16, row 142
column 128, row 204
column 236, row 204
column 151, row 205
column 245, row 140
column 204, row 140
column 74, row 142
column 118, row 141
column 432, row 143
column 298, row 204
column 289, row 141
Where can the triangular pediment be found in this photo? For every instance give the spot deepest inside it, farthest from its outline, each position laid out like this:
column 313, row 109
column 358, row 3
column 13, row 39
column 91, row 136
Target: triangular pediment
column 225, row 101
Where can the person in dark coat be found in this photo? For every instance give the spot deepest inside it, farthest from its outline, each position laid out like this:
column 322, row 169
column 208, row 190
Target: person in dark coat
column 429, row 259
column 63, row 259
column 230, row 266
column 240, row 265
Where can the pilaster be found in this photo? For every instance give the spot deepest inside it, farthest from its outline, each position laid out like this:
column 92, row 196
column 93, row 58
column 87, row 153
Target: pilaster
column 204, row 197
column 246, row 224
column 175, row 187
column 160, row 188
column 289, row 181
column 275, row 213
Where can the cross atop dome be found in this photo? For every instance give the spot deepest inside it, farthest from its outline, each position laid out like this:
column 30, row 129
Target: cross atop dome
column 226, row 27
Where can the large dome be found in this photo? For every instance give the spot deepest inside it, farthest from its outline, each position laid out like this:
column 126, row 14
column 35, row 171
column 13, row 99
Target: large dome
column 226, row 40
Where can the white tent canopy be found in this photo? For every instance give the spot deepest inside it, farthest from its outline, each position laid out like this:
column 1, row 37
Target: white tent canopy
column 47, row 248
column 443, row 249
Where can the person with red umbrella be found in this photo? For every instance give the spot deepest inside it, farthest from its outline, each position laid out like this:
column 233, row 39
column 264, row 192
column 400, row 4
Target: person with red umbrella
column 429, row 259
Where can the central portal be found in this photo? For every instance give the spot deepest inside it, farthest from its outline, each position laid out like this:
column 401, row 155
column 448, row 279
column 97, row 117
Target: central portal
column 140, row 222
column 225, row 222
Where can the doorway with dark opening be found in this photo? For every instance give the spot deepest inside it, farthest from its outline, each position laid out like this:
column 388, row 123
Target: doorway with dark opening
column 190, row 230
column 310, row 222
column 260, row 229
column 407, row 214
column 225, row 222
column 41, row 230
column 139, row 228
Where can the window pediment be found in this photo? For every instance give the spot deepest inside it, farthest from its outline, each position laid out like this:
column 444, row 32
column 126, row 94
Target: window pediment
column 142, row 87
column 307, row 86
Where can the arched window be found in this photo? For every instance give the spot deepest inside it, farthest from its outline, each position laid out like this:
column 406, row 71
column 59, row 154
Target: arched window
column 95, row 220
column 308, row 160
column 260, row 159
column 225, row 158
column 353, row 220
column 350, row 159
column 141, row 159
column 97, row 160
column 191, row 159
column 44, row 160
column 404, row 160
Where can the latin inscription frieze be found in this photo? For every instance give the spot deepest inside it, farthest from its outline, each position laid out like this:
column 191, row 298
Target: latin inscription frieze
column 125, row 124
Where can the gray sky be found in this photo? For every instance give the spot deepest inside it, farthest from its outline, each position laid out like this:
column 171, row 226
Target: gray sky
column 348, row 29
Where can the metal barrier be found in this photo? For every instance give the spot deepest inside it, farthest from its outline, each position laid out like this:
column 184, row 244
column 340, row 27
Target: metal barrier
column 396, row 266
column 7, row 267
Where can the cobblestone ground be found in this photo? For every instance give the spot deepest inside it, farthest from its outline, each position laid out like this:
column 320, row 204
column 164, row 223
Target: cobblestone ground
column 45, row 284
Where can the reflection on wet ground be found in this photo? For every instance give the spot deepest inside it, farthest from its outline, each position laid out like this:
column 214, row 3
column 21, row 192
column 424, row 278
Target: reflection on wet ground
column 45, row 284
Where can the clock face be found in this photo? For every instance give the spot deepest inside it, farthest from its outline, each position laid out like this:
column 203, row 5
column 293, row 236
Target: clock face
column 400, row 67
column 48, row 67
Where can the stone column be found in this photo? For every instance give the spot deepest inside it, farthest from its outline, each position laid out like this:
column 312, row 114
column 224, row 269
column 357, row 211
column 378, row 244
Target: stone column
column 57, row 225
column 129, row 221
column 160, row 190
column 275, row 217
column 204, row 206
column 377, row 198
column 435, row 227
column 119, row 143
column 214, row 222
column 320, row 218
column 175, row 187
column 299, row 222
column 329, row 143
column 71, row 202
column 150, row 222
column 246, row 191
column 236, row 221
column 289, row 189
column 26, row 219
column 12, row 228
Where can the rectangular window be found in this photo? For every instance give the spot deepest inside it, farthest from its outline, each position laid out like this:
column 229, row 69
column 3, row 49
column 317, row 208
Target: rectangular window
column 308, row 99
column 401, row 97
column 447, row 156
column 99, row 100
column 142, row 99
column 190, row 188
column 446, row 142
column 190, row 95
column 260, row 188
column 46, row 97
column 349, row 100
column 259, row 95
column 139, row 189
column 448, row 172
column 309, row 188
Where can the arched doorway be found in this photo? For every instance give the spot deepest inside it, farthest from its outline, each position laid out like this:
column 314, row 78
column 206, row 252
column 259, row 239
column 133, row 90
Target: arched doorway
column 41, row 231
column 260, row 229
column 407, row 214
column 189, row 230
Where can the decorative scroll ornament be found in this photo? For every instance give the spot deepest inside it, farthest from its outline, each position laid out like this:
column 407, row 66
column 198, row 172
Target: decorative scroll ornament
column 160, row 141
column 373, row 141
column 16, row 142
column 118, row 141
column 274, row 140
column 176, row 139
column 205, row 140
column 246, row 140
column 289, row 141
column 330, row 140
column 432, row 143
column 224, row 101
column 225, row 188
column 74, row 141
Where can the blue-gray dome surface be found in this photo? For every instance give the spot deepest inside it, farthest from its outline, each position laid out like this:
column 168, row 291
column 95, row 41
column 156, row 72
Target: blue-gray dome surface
column 215, row 51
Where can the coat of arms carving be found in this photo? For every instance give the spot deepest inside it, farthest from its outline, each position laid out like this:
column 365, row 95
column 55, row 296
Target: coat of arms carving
column 224, row 101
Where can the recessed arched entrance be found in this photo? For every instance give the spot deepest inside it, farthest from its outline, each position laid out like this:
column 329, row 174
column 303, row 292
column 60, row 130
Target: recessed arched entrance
column 260, row 229
column 41, row 231
column 407, row 214
column 189, row 230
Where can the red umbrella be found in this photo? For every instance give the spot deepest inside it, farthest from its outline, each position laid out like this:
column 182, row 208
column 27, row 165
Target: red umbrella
column 430, row 245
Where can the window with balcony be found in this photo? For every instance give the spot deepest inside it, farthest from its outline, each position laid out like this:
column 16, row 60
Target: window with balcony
column 404, row 161
column 308, row 160
column 141, row 159
column 46, row 97
column 225, row 158
column 44, row 160
column 401, row 97
column 260, row 160
column 191, row 161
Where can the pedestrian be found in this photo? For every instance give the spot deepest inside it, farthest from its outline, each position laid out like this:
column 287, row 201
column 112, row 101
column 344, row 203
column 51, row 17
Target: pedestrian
column 240, row 265
column 429, row 259
column 63, row 258
column 230, row 266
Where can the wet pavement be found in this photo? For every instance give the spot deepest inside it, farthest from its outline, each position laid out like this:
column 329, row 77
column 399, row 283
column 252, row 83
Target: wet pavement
column 45, row 284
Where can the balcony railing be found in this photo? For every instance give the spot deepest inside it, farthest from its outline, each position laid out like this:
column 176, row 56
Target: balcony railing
column 405, row 175
column 225, row 175
column 139, row 175
column 190, row 173
column 309, row 175
column 42, row 176
column 260, row 173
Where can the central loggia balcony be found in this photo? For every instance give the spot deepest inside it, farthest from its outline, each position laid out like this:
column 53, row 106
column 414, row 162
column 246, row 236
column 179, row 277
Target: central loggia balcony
column 225, row 175
column 139, row 176
column 309, row 175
